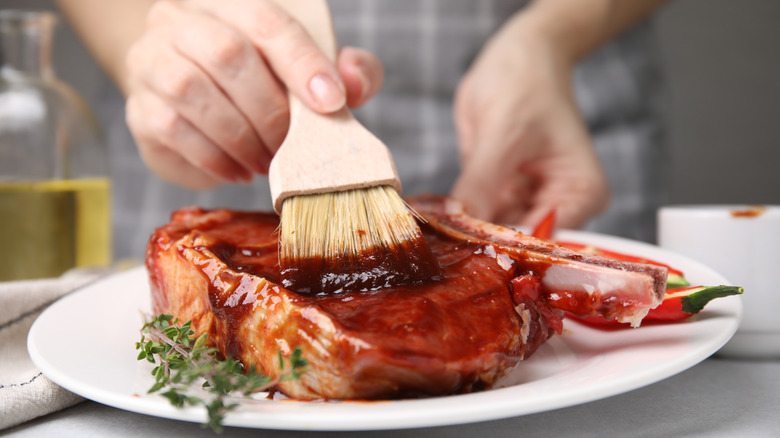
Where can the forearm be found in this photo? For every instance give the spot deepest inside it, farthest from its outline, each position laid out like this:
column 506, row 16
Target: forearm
column 108, row 29
column 578, row 27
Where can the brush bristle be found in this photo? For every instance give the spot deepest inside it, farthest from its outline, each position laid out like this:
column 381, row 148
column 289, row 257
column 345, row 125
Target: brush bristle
column 349, row 222
column 351, row 240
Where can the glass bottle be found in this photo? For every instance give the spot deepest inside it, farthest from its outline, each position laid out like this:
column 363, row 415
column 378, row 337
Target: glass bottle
column 54, row 188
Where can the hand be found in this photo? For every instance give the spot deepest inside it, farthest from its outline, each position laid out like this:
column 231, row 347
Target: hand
column 524, row 147
column 207, row 81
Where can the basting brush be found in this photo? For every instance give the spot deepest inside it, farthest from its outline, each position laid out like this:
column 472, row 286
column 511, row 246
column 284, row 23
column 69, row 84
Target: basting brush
column 343, row 223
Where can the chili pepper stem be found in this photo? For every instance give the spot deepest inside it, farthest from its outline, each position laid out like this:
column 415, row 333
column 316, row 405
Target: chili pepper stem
column 694, row 302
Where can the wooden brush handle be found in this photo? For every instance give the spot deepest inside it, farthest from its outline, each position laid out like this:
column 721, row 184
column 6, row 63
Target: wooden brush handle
column 325, row 153
column 315, row 17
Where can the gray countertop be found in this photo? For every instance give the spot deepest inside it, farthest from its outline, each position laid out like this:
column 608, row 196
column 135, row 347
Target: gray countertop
column 716, row 398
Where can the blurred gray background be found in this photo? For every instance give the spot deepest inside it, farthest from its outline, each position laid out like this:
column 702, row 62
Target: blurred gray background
column 722, row 67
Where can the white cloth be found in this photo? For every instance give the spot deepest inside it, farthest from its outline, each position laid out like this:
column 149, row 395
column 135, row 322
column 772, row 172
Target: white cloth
column 25, row 393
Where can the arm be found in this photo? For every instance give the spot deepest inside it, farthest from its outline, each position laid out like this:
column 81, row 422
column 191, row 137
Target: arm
column 578, row 27
column 525, row 149
column 108, row 29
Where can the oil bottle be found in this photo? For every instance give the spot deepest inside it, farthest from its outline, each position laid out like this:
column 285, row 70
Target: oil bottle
column 54, row 185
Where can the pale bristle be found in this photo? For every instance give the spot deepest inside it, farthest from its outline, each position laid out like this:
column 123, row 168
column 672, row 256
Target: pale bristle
column 344, row 224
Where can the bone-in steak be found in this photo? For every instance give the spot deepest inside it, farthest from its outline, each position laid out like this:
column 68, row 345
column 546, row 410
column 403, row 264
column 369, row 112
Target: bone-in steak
column 494, row 305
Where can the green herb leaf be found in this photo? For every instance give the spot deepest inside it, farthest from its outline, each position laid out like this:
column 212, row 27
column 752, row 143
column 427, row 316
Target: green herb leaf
column 185, row 362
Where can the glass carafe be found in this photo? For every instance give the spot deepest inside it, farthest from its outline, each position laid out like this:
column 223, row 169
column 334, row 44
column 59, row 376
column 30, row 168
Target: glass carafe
column 54, row 188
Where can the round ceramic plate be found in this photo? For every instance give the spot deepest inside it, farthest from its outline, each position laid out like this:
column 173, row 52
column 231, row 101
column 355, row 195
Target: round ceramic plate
column 581, row 365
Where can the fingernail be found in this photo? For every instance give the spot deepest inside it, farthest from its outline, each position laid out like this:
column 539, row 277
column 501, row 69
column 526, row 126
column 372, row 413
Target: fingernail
column 327, row 92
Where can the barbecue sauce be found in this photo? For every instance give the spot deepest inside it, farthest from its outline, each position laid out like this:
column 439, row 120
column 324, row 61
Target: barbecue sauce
column 408, row 263
column 749, row 212
column 247, row 243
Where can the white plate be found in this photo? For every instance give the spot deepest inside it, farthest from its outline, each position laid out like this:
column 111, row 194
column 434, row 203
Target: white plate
column 85, row 343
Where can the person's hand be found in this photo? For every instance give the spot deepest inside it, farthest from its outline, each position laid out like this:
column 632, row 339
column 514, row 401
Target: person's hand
column 207, row 84
column 524, row 147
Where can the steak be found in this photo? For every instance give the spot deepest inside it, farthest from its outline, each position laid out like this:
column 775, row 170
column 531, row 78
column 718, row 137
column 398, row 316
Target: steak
column 500, row 295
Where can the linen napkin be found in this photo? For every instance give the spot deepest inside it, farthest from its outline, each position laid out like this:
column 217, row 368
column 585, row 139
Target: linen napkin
column 25, row 393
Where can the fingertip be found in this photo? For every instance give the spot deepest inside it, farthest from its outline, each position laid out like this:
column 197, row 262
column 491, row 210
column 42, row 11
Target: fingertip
column 263, row 165
column 463, row 192
column 357, row 86
column 363, row 74
column 328, row 93
column 243, row 176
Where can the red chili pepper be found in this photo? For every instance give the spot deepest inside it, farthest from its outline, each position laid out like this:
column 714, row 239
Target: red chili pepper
column 546, row 227
column 678, row 304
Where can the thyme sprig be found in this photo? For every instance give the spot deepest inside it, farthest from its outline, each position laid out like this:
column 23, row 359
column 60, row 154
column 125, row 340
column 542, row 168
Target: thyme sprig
column 182, row 360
